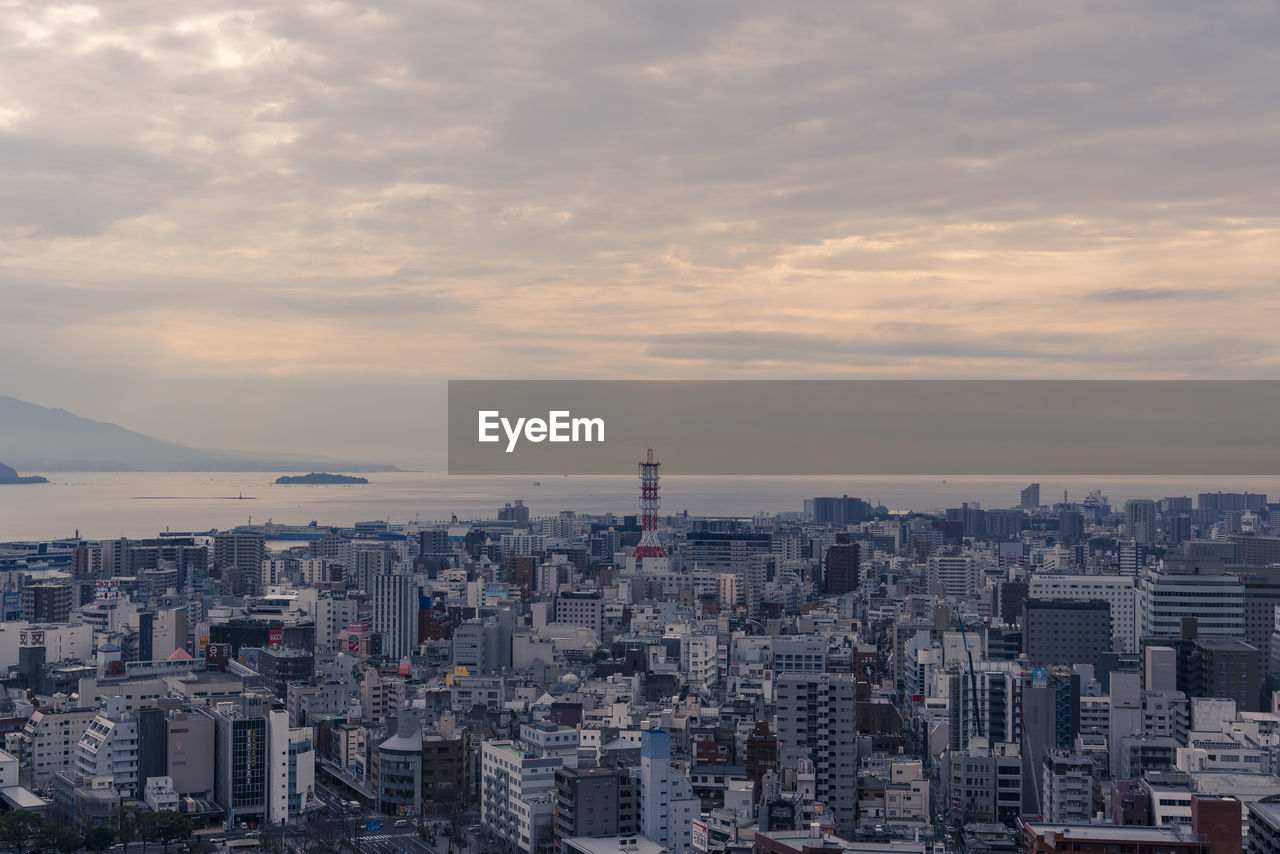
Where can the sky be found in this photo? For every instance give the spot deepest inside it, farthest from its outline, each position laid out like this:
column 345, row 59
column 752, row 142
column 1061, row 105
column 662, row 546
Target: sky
column 282, row 226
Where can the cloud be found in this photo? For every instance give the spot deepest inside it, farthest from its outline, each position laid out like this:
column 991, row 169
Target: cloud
column 332, row 192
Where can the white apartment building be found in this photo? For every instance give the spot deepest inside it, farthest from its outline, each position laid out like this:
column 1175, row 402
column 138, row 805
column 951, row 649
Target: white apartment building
column 109, row 746
column 516, row 793
column 668, row 806
column 47, row 743
column 956, row 576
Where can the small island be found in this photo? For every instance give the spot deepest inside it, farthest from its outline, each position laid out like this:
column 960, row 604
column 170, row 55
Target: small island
column 8, row 475
column 320, row 479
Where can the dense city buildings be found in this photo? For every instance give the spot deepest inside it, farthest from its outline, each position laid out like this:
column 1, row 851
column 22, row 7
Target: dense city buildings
column 1014, row 678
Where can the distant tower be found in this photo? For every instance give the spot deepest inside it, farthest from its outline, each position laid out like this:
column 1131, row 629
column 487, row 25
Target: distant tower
column 649, row 545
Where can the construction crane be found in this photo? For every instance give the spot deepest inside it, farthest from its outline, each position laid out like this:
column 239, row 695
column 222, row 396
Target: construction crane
column 973, row 679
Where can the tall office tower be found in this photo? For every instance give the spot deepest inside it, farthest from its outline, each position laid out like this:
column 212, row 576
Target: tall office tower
column 1066, row 631
column 668, row 806
column 818, row 722
column 241, row 759
column 1070, row 526
column 840, row 566
column 1029, row 499
column 395, row 613
column 240, row 558
column 1192, row 586
column 1140, row 520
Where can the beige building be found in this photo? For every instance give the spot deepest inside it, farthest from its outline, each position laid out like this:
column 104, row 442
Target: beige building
column 47, row 742
column 906, row 797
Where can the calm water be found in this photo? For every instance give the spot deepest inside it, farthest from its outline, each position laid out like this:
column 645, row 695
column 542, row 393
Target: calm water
column 141, row 504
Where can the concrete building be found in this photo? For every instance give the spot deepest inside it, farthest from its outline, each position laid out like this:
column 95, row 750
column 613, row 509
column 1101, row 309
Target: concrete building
column 1118, row 591
column 817, row 722
column 48, row 743
column 395, row 613
column 594, row 802
column 46, row 602
column 1192, row 586
column 1066, row 631
column 109, row 747
column 517, row 794
column 1140, row 520
column 1066, row 787
column 667, row 804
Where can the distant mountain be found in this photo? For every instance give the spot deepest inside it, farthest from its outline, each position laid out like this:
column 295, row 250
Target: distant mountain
column 37, row 438
column 9, row 476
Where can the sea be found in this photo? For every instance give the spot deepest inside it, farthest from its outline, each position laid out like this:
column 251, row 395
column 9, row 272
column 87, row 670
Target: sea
column 101, row 505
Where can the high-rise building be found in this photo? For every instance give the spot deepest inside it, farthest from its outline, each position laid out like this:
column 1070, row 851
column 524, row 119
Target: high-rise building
column 514, row 512
column 954, row 576
column 667, row 804
column 46, row 602
column 1118, row 591
column 1066, row 787
column 1070, row 526
column 240, row 758
column 1030, row 497
column 1225, row 667
column 594, row 802
column 1140, row 520
column 516, row 794
column 109, row 746
column 1261, row 596
column 1192, row 586
column 1066, row 631
column 840, row 566
column 817, row 722
column 239, row 557
column 839, row 511
column 395, row 613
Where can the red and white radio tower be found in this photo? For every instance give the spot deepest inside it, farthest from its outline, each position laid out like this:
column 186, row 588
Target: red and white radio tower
column 649, row 545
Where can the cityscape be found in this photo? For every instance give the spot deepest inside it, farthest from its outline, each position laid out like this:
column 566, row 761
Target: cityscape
column 664, row 427
column 833, row 676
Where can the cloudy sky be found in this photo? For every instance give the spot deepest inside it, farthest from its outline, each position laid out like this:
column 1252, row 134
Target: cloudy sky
column 282, row 226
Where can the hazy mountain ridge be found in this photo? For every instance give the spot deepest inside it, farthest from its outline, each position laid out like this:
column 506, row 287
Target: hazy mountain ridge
column 37, row 438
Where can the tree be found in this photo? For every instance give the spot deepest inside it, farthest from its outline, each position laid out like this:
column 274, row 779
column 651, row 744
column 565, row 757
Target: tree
column 66, row 841
column 99, row 838
column 128, row 825
column 166, row 827
column 20, row 829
